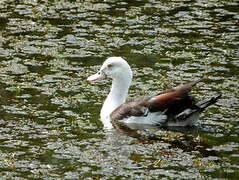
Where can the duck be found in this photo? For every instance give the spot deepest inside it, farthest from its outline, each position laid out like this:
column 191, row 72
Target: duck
column 172, row 107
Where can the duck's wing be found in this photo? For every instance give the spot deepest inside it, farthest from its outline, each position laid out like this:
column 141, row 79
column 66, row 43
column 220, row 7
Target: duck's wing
column 172, row 102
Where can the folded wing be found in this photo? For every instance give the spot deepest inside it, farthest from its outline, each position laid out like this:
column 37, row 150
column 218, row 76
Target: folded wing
column 172, row 101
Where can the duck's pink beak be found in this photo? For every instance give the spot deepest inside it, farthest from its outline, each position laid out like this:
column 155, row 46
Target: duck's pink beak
column 97, row 76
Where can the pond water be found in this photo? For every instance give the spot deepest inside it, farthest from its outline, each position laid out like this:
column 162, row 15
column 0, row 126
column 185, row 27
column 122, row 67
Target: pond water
column 49, row 113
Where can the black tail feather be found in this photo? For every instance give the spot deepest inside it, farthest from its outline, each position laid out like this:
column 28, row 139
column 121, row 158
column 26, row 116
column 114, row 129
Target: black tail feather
column 203, row 105
column 199, row 107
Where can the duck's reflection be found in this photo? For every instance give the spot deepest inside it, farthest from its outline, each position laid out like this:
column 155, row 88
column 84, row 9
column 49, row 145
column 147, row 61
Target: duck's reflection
column 186, row 138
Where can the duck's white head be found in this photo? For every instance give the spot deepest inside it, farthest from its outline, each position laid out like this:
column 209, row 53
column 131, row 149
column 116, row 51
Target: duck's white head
column 120, row 72
column 115, row 68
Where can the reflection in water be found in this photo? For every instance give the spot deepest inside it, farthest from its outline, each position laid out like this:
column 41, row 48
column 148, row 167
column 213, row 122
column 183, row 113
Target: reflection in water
column 49, row 126
column 185, row 138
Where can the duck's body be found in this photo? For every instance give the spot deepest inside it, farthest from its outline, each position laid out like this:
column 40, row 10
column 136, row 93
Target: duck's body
column 173, row 107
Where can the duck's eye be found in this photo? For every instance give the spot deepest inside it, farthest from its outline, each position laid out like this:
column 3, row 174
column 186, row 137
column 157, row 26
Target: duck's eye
column 110, row 65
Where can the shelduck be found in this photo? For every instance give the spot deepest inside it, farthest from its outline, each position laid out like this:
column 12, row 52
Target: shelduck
column 172, row 107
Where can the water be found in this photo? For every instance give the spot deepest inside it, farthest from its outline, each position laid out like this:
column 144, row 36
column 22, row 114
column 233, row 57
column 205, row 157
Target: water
column 49, row 114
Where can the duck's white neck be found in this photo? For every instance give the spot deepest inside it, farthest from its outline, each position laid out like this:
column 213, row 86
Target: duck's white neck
column 116, row 97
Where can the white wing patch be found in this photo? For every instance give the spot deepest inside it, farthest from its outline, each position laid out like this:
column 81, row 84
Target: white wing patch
column 147, row 118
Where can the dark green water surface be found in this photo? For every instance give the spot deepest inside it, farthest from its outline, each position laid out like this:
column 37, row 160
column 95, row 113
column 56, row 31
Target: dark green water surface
column 49, row 113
